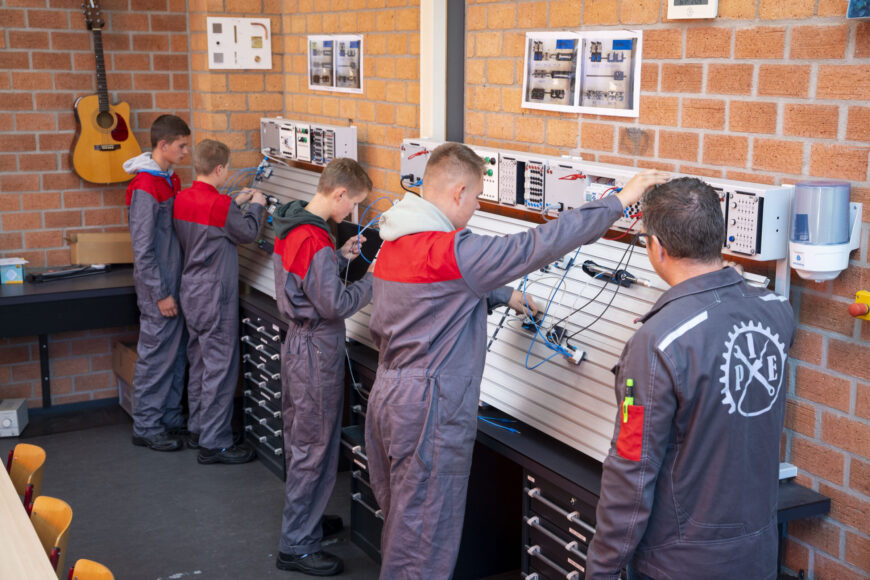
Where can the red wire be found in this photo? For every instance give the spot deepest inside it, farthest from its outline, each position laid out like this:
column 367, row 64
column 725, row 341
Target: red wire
column 625, row 233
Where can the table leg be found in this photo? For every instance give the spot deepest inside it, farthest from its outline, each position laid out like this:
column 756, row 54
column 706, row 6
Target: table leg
column 46, row 371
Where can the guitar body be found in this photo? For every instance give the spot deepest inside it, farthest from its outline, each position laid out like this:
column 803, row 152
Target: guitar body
column 104, row 141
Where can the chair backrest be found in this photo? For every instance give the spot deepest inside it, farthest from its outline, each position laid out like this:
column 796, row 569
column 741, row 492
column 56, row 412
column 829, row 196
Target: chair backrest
column 51, row 518
column 89, row 570
column 25, row 470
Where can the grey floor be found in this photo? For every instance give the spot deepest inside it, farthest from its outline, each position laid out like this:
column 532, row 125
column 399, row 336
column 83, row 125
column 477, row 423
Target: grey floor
column 153, row 515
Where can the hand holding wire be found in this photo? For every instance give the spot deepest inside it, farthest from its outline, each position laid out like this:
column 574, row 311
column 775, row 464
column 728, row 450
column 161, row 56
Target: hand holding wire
column 352, row 247
column 523, row 305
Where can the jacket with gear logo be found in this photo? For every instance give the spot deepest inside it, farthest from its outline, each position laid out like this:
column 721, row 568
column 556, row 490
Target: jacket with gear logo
column 690, row 485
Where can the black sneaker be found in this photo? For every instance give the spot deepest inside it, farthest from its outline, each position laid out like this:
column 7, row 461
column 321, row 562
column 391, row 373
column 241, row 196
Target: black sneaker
column 231, row 455
column 317, row 564
column 160, row 442
column 331, row 525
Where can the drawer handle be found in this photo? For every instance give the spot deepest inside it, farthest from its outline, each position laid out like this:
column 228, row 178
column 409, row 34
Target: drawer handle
column 357, row 450
column 260, row 438
column 532, row 576
column 252, row 325
column 574, row 548
column 274, row 432
column 275, row 337
column 535, row 551
column 275, row 376
column 358, row 410
column 250, row 377
column 275, row 450
column 357, row 497
column 535, row 522
column 574, row 517
column 270, row 392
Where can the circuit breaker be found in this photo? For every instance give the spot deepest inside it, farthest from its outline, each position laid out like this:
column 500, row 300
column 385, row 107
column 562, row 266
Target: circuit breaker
column 490, row 174
column 310, row 142
column 510, row 181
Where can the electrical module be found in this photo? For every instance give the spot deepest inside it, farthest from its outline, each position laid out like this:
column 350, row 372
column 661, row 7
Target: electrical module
column 303, row 141
column 490, row 174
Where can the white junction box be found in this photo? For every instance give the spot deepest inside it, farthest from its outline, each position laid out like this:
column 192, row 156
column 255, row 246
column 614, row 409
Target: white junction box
column 13, row 417
column 239, row 43
column 309, row 142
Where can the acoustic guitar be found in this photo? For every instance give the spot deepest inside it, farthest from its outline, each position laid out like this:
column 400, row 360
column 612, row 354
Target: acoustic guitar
column 104, row 141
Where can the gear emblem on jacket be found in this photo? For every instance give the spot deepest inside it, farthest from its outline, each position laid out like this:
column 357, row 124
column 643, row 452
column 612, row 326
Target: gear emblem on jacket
column 753, row 369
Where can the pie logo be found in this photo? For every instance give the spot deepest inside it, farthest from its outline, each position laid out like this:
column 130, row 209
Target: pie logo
column 753, row 369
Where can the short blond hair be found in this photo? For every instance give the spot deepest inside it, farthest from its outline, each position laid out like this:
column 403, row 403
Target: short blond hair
column 208, row 154
column 347, row 173
column 454, row 159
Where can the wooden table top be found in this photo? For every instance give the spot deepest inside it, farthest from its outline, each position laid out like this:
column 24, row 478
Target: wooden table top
column 21, row 552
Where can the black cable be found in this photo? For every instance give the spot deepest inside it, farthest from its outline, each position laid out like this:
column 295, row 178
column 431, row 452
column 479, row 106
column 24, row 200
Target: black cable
column 612, row 298
column 591, row 300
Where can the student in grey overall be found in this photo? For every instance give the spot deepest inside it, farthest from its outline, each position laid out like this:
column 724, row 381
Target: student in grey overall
column 434, row 281
column 158, row 377
column 210, row 226
column 690, row 485
column 315, row 302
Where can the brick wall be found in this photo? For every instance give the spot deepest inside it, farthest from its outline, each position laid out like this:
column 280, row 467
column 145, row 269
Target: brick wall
column 770, row 92
column 46, row 62
column 388, row 110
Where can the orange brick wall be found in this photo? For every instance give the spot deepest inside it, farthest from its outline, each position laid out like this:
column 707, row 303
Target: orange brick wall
column 46, row 61
column 388, row 110
column 770, row 92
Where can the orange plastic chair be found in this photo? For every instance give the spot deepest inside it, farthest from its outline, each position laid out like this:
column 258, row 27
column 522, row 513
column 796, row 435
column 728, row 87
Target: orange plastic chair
column 51, row 518
column 25, row 465
column 89, row 570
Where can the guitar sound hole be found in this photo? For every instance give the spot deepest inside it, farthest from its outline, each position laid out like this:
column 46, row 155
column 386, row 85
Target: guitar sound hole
column 105, row 120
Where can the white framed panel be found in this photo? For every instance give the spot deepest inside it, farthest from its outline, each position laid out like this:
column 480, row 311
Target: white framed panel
column 550, row 71
column 609, row 72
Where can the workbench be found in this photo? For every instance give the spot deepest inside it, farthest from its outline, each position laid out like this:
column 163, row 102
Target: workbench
column 42, row 308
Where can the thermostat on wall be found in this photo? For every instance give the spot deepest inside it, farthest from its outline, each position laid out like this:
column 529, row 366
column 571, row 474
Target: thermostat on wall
column 692, row 9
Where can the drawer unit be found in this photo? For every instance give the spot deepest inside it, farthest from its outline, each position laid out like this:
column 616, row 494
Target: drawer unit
column 261, row 337
column 366, row 518
column 558, row 524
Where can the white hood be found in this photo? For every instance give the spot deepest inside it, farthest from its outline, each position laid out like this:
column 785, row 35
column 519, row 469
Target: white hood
column 412, row 215
column 143, row 162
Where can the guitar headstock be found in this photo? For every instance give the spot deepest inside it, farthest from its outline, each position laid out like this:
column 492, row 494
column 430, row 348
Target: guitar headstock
column 93, row 14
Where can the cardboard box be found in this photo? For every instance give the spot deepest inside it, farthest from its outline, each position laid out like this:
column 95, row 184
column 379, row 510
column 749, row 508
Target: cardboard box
column 101, row 248
column 123, row 362
column 12, row 270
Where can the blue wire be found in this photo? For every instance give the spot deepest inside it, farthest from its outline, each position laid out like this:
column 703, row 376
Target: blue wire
column 494, row 424
column 237, row 178
column 360, row 229
column 556, row 347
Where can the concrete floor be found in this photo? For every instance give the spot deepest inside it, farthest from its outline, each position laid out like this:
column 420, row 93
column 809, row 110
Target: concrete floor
column 161, row 516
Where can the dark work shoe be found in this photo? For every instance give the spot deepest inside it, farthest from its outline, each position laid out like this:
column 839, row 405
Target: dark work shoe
column 317, row 564
column 192, row 440
column 331, row 525
column 231, row 455
column 160, row 442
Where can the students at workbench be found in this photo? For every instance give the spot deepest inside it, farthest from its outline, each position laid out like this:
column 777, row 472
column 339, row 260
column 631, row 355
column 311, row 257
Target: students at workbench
column 158, row 378
column 315, row 302
column 433, row 283
column 209, row 227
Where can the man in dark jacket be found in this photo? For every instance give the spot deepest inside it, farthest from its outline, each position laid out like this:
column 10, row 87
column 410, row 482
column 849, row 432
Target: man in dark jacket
column 689, row 488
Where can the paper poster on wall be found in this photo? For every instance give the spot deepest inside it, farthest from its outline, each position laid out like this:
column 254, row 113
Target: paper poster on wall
column 551, row 70
column 583, row 72
column 610, row 73
column 335, row 63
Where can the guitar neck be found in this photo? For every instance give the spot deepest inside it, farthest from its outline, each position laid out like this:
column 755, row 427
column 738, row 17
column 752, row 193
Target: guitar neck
column 102, row 87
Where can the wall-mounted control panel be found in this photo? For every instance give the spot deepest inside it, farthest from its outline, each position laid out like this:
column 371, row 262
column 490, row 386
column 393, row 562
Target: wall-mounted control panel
column 304, row 141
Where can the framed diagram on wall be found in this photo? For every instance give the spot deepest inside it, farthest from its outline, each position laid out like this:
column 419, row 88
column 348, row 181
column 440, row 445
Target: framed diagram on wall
column 549, row 78
column 335, row 63
column 594, row 72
